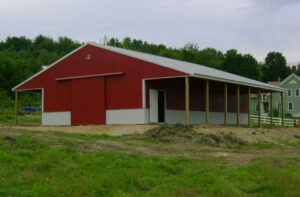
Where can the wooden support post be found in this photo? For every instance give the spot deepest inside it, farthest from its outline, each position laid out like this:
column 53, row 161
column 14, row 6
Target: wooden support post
column 207, row 102
column 225, row 104
column 187, row 101
column 259, row 106
column 271, row 108
column 238, row 105
column 282, row 110
column 16, row 107
column 249, row 106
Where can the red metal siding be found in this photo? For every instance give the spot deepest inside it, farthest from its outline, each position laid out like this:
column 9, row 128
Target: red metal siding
column 57, row 97
column 88, row 101
column 122, row 92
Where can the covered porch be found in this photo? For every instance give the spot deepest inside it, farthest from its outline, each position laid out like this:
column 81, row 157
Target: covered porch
column 194, row 100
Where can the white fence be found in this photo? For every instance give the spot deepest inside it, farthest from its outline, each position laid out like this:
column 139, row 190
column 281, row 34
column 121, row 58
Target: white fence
column 276, row 121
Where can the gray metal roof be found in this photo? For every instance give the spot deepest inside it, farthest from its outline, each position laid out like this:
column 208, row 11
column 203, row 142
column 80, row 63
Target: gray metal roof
column 196, row 70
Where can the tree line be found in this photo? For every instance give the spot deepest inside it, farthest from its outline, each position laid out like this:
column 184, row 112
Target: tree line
column 21, row 57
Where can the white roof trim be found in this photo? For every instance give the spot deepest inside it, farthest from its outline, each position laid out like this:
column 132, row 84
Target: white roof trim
column 196, row 70
column 40, row 72
column 288, row 78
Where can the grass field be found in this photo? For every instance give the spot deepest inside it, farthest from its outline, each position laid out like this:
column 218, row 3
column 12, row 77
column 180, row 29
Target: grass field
column 60, row 164
column 7, row 116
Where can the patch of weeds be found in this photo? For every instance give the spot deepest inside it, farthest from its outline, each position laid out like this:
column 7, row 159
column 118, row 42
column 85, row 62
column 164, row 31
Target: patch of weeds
column 25, row 142
column 134, row 138
column 207, row 150
column 4, row 119
column 263, row 145
column 32, row 120
column 289, row 143
column 260, row 145
column 25, row 153
column 151, row 139
column 86, row 136
column 9, row 140
column 231, row 139
column 228, row 141
column 28, row 142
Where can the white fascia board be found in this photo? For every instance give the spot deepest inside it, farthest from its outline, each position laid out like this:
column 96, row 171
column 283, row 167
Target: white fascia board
column 51, row 65
column 288, row 78
column 28, row 89
column 274, row 88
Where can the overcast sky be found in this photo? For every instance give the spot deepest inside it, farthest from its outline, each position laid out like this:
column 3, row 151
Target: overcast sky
column 250, row 26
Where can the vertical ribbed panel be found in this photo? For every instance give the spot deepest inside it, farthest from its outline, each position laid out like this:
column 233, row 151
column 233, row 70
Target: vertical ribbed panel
column 88, row 101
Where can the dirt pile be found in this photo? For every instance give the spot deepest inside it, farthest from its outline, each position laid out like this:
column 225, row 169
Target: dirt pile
column 182, row 133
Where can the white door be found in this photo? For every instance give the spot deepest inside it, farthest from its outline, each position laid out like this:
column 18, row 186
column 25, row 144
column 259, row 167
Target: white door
column 153, row 106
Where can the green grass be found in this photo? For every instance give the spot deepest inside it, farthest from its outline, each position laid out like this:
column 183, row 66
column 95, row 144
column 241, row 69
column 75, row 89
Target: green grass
column 259, row 145
column 7, row 116
column 31, row 166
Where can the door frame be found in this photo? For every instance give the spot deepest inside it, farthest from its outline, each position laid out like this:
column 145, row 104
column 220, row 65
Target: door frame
column 165, row 105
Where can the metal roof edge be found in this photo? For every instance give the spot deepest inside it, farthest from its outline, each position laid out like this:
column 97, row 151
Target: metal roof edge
column 274, row 88
column 137, row 57
column 266, row 86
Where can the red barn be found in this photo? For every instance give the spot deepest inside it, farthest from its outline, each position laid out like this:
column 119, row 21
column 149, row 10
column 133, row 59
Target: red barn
column 99, row 84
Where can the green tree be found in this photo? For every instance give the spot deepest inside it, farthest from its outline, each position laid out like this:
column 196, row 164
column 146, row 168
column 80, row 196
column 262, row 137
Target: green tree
column 16, row 43
column 275, row 66
column 189, row 52
column 9, row 73
column 211, row 57
column 21, row 57
column 127, row 43
column 244, row 65
column 114, row 42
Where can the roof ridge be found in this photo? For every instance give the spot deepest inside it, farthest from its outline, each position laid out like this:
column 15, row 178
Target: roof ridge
column 194, row 69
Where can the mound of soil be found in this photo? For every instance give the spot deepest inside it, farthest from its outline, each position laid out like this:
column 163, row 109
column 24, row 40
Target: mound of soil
column 182, row 133
column 220, row 140
column 170, row 130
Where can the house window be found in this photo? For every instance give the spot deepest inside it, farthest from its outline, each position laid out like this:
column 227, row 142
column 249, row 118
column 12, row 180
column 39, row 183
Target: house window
column 279, row 106
column 289, row 93
column 266, row 107
column 256, row 107
column 297, row 92
column 290, row 106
